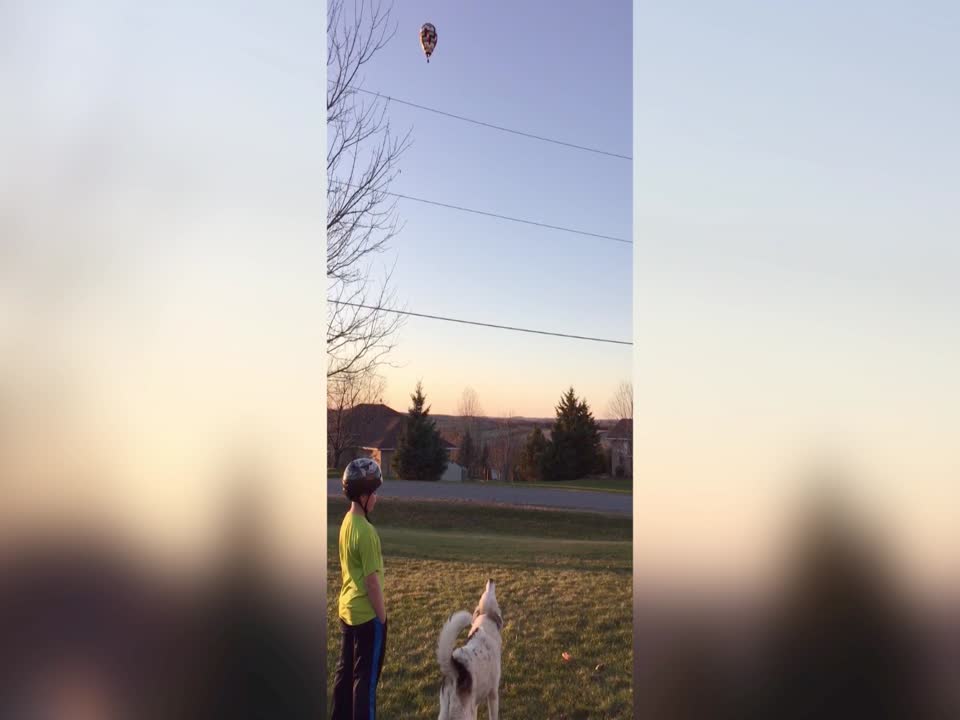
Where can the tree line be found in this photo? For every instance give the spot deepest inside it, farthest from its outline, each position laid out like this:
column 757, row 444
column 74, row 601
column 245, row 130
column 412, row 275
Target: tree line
column 572, row 451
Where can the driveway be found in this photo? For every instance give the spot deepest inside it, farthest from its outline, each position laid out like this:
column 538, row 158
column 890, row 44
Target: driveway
column 519, row 496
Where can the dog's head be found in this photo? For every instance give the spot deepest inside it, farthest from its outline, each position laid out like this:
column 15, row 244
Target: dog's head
column 488, row 604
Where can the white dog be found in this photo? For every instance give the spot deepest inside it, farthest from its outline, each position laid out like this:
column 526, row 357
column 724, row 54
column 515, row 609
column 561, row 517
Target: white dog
column 471, row 674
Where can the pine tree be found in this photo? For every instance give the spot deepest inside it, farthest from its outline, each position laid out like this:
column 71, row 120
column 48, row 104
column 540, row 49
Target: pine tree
column 531, row 461
column 590, row 454
column 420, row 454
column 467, row 456
column 574, row 449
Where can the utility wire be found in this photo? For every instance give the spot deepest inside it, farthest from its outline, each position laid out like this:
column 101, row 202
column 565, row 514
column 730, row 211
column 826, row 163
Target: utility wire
column 495, row 215
column 501, row 128
column 281, row 65
column 478, row 324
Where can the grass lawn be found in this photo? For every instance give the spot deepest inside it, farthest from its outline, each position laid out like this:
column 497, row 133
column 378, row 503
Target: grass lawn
column 563, row 583
column 593, row 484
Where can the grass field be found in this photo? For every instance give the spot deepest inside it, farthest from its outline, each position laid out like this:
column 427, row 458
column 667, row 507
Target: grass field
column 593, row 484
column 563, row 583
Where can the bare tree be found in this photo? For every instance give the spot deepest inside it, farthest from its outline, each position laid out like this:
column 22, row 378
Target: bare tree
column 362, row 158
column 345, row 393
column 621, row 406
column 505, row 448
column 469, row 410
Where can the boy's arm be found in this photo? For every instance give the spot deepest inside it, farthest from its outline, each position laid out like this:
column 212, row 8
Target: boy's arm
column 375, row 593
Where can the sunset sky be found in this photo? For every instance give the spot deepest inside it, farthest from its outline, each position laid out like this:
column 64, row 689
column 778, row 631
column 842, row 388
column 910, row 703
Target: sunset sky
column 797, row 271
column 164, row 270
column 560, row 70
column 163, row 170
column 794, row 284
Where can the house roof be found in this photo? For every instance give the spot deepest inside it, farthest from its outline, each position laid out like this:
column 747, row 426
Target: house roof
column 623, row 430
column 378, row 427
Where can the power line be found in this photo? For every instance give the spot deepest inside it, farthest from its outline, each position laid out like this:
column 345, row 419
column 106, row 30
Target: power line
column 501, row 128
column 272, row 60
column 463, row 118
column 496, row 215
column 479, row 324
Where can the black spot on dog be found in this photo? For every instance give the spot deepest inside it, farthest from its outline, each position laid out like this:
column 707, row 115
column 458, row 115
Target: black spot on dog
column 464, row 681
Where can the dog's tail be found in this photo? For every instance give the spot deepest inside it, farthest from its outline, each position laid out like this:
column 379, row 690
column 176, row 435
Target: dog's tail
column 448, row 639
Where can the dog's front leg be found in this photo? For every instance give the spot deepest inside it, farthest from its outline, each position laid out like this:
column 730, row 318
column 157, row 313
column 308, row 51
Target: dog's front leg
column 493, row 706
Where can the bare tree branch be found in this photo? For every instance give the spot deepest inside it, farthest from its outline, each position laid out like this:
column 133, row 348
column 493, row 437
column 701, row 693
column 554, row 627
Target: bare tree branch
column 621, row 406
column 505, row 448
column 362, row 158
column 345, row 394
column 469, row 410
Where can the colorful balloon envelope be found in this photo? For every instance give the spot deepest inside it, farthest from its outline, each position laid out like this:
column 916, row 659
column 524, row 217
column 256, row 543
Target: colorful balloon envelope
column 428, row 39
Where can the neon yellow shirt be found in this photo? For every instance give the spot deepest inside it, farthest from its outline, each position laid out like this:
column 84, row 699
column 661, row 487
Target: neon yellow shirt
column 359, row 557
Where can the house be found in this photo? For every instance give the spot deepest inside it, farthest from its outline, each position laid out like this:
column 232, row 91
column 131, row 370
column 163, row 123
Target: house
column 375, row 429
column 618, row 443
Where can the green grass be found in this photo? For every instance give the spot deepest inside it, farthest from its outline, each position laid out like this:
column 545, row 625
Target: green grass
column 461, row 516
column 594, row 484
column 563, row 583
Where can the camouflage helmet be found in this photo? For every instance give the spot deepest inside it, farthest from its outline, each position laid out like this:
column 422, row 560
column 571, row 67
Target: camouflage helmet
column 361, row 477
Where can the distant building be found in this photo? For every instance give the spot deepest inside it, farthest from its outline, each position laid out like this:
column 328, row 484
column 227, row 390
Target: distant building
column 454, row 473
column 375, row 429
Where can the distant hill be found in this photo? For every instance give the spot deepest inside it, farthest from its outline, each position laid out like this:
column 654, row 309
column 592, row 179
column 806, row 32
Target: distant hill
column 454, row 420
column 451, row 425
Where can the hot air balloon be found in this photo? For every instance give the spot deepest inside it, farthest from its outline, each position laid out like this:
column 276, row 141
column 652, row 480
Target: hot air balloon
column 428, row 39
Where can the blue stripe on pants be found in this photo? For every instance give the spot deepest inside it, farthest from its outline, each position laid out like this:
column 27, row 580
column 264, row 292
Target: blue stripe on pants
column 377, row 645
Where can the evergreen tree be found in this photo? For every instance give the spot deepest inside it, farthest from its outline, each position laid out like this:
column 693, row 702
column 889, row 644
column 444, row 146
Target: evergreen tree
column 591, row 455
column 420, row 453
column 574, row 449
column 532, row 459
column 467, row 456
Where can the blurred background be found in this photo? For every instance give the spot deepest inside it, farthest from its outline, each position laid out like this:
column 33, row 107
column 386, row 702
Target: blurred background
column 798, row 428
column 162, row 519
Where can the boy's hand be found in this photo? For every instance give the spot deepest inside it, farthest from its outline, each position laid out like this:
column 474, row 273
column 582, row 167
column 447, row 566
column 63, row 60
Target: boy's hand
column 375, row 593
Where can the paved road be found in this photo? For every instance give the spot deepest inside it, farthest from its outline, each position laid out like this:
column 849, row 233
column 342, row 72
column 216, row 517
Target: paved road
column 522, row 496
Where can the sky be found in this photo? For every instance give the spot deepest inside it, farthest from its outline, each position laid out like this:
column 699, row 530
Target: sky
column 560, row 70
column 797, row 271
column 164, row 253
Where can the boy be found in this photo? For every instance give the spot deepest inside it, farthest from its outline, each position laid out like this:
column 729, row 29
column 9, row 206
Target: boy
column 363, row 615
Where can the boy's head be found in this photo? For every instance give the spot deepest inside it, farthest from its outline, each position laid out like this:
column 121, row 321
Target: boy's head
column 361, row 480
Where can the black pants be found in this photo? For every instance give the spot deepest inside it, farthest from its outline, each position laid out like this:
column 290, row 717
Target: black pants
column 358, row 671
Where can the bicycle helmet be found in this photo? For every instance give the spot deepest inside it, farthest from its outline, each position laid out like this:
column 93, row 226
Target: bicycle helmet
column 361, row 477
